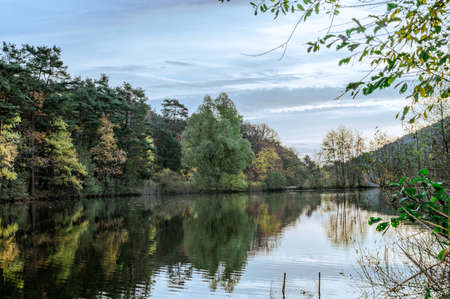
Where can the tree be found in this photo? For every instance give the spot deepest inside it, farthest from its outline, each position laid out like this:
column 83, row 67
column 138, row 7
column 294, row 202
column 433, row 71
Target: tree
column 38, row 77
column 313, row 176
column 65, row 169
column 168, row 148
column 341, row 148
column 35, row 87
column 8, row 150
column 213, row 143
column 149, row 158
column 292, row 167
column 175, row 114
column 260, row 136
column 267, row 161
column 275, row 180
column 107, row 156
column 437, row 111
column 404, row 42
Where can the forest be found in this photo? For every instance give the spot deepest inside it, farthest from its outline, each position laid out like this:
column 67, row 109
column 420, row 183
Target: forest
column 64, row 135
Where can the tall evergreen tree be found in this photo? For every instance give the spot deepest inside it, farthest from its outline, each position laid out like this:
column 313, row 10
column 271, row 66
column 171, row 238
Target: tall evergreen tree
column 65, row 169
column 175, row 114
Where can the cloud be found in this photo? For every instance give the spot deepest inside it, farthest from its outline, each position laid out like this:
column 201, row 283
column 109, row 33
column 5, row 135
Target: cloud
column 119, row 69
column 392, row 104
column 178, row 63
column 234, row 84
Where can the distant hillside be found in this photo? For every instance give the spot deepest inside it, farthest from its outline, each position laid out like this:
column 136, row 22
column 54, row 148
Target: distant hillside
column 425, row 148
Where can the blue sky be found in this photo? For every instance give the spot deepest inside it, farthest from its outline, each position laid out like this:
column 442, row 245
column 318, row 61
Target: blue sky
column 188, row 48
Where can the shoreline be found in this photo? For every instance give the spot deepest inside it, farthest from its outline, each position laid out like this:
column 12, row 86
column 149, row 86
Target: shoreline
column 136, row 194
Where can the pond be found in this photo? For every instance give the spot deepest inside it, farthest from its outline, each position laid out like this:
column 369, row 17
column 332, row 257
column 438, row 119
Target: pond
column 195, row 246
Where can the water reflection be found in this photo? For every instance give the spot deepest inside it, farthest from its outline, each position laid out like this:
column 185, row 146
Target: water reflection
column 122, row 247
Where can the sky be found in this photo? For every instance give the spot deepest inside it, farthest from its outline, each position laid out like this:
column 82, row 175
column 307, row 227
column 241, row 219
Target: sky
column 186, row 49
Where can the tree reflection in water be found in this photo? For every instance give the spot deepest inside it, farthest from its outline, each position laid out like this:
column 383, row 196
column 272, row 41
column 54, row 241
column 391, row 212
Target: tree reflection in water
column 116, row 247
column 346, row 215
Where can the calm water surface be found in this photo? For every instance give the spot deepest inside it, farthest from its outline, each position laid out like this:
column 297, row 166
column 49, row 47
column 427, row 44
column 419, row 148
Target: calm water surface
column 219, row 246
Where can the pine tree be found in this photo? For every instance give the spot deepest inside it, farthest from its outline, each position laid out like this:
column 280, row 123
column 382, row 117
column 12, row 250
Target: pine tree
column 66, row 170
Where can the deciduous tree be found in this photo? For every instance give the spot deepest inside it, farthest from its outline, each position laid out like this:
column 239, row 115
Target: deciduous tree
column 8, row 149
column 107, row 156
column 214, row 145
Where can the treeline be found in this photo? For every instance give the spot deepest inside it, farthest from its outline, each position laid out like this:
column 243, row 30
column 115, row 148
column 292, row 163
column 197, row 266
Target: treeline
column 66, row 135
column 61, row 135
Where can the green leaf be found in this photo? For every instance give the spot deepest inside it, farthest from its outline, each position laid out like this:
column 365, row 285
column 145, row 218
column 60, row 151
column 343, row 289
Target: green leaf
column 391, row 6
column 404, row 88
column 419, row 179
column 424, row 172
column 442, row 253
column 395, row 222
column 410, row 191
column 373, row 220
column 382, row 226
column 405, row 111
column 307, row 14
column 437, row 186
column 344, row 61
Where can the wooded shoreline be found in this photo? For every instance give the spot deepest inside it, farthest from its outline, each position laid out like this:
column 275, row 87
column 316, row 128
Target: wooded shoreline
column 162, row 193
column 79, row 137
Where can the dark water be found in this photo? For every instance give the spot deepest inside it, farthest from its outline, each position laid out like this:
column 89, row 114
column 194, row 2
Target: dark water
column 235, row 246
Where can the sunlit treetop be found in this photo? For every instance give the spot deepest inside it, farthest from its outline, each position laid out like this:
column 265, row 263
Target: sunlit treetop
column 405, row 42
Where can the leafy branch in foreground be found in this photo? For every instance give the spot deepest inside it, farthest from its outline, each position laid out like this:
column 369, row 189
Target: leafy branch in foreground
column 405, row 43
column 421, row 201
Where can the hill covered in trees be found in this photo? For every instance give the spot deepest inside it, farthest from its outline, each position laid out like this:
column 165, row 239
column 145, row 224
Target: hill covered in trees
column 348, row 160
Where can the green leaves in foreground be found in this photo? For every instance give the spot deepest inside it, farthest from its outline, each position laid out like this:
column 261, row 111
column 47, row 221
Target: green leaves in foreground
column 422, row 201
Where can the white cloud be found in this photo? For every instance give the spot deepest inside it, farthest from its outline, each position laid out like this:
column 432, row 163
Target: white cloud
column 386, row 104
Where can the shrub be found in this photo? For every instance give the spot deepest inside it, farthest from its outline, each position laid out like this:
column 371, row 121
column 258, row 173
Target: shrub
column 422, row 201
column 275, row 181
column 173, row 182
column 233, row 182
